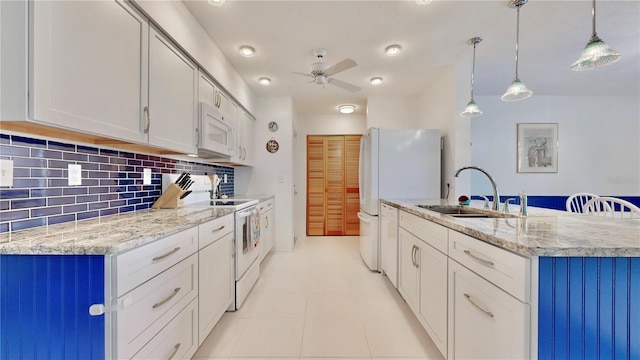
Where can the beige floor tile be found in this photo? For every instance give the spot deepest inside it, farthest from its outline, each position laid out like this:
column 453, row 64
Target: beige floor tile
column 270, row 338
column 334, row 337
column 223, row 338
column 332, row 305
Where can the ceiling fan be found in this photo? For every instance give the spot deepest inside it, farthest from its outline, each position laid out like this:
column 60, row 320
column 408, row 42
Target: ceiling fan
column 322, row 73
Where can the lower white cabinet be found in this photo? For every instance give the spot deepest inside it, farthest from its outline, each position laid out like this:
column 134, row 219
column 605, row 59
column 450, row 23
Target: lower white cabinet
column 484, row 321
column 389, row 242
column 267, row 225
column 216, row 277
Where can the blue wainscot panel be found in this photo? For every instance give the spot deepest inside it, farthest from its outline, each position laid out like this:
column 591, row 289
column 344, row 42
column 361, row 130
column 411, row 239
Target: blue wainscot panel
column 589, row 308
column 44, row 307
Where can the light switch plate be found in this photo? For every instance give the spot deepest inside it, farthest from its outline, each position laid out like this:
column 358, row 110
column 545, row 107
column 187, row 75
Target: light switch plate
column 146, row 176
column 225, row 178
column 6, row 173
column 75, row 174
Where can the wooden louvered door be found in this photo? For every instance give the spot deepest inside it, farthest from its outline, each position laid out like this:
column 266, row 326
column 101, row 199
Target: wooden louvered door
column 332, row 185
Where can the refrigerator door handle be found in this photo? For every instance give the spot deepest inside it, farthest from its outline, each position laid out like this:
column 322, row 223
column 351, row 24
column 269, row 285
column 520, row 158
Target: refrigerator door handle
column 361, row 170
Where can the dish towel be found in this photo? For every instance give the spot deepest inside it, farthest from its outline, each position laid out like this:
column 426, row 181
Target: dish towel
column 254, row 221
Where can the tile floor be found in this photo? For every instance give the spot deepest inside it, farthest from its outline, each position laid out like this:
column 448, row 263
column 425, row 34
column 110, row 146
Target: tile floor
column 320, row 301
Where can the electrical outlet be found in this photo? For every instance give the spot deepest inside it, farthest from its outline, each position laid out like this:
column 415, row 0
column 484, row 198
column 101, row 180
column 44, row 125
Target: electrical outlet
column 225, row 178
column 75, row 174
column 6, row 173
column 146, row 176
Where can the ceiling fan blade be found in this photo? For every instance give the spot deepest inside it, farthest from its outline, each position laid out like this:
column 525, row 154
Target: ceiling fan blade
column 343, row 85
column 303, row 74
column 343, row 65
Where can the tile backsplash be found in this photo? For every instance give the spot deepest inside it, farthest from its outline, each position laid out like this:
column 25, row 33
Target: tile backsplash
column 111, row 181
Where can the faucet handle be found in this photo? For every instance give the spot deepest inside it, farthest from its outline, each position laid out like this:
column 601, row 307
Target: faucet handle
column 523, row 203
column 486, row 202
column 506, row 204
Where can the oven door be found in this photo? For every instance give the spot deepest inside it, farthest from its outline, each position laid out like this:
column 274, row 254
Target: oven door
column 247, row 239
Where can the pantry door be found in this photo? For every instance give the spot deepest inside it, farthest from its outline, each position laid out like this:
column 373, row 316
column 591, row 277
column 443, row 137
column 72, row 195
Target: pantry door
column 332, row 185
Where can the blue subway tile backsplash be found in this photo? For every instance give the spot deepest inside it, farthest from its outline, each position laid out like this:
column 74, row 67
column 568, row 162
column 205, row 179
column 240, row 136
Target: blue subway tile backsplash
column 111, row 181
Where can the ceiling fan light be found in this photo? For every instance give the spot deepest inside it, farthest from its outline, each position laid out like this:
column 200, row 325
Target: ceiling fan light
column 594, row 55
column 392, row 50
column 346, row 109
column 376, row 80
column 471, row 110
column 247, row 51
column 517, row 91
column 216, row 2
column 264, row 81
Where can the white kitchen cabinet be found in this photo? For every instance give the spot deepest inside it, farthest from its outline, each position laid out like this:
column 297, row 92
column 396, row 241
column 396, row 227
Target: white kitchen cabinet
column 389, row 242
column 244, row 136
column 484, row 321
column 89, row 67
column 173, row 96
column 425, row 286
column 216, row 277
column 267, row 225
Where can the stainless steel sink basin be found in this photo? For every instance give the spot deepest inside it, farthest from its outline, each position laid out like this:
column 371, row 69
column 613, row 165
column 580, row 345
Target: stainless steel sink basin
column 458, row 211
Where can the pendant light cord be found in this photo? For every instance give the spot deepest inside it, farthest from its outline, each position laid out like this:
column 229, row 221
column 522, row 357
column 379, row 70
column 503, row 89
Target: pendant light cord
column 473, row 67
column 593, row 19
column 518, row 37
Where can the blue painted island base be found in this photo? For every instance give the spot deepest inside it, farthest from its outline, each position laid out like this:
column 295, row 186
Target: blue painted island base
column 589, row 308
column 44, row 302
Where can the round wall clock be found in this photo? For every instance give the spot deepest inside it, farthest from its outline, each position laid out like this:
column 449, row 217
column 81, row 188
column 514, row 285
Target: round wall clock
column 273, row 126
column 273, row 146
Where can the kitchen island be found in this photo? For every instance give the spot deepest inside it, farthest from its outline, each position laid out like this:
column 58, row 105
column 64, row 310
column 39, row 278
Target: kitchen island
column 567, row 284
column 74, row 290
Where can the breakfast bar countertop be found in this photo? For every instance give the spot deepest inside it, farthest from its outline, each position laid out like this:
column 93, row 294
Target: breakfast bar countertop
column 544, row 232
column 111, row 234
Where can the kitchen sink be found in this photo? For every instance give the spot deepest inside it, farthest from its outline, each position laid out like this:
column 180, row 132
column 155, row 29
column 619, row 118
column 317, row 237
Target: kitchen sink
column 458, row 211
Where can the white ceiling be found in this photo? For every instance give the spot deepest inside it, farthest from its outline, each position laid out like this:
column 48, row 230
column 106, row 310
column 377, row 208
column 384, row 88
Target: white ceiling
column 552, row 34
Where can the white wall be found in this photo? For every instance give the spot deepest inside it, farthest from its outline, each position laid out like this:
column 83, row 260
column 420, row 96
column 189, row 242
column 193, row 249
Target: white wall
column 175, row 19
column 399, row 112
column 598, row 147
column 273, row 173
column 317, row 125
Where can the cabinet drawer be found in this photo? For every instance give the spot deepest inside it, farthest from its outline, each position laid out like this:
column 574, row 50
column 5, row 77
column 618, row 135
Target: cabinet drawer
column 141, row 264
column 149, row 307
column 266, row 205
column 484, row 321
column 177, row 340
column 507, row 270
column 214, row 230
column 433, row 234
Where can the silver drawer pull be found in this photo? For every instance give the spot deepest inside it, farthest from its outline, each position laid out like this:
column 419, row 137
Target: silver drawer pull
column 218, row 229
column 470, row 300
column 167, row 254
column 175, row 351
column 175, row 292
column 481, row 261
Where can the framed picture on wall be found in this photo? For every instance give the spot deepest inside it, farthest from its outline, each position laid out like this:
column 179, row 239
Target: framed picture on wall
column 537, row 148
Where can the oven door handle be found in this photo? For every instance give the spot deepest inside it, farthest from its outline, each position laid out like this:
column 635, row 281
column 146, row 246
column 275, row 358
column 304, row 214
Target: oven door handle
column 243, row 213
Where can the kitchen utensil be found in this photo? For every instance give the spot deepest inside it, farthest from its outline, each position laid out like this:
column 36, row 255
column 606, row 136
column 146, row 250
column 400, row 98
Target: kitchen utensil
column 180, row 178
column 185, row 194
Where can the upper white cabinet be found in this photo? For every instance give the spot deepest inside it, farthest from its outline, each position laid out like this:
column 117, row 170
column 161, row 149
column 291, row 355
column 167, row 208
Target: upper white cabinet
column 173, row 96
column 245, row 137
column 89, row 61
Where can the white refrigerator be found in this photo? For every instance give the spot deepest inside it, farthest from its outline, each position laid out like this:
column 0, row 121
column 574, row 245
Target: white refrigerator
column 394, row 164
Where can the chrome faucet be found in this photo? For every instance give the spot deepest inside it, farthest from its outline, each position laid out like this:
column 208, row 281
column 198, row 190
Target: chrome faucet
column 496, row 196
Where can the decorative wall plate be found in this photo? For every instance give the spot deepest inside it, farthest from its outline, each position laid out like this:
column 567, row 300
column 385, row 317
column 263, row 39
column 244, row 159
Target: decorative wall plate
column 273, row 146
column 273, row 126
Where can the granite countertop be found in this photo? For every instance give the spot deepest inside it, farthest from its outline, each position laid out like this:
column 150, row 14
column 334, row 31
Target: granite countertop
column 544, row 232
column 259, row 197
column 109, row 234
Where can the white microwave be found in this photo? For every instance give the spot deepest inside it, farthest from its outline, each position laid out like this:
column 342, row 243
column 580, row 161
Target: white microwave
column 215, row 133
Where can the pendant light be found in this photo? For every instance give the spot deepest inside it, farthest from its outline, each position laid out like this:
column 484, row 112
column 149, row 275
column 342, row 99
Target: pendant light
column 596, row 53
column 472, row 109
column 517, row 90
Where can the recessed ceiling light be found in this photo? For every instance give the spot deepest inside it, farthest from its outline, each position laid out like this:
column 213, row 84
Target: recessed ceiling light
column 193, row 155
column 216, row 2
column 392, row 50
column 264, row 81
column 247, row 51
column 347, row 109
column 376, row 80
column 423, row 2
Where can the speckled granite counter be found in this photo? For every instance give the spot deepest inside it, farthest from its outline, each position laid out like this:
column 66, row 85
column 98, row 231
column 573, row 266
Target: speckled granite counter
column 107, row 235
column 544, row 232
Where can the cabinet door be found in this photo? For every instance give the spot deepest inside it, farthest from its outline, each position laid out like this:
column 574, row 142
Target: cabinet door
column 408, row 280
column 316, row 202
column 389, row 242
column 352, row 184
column 89, row 64
column 484, row 321
column 215, row 283
column 206, row 89
column 433, row 295
column 248, row 137
column 222, row 102
column 173, row 88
